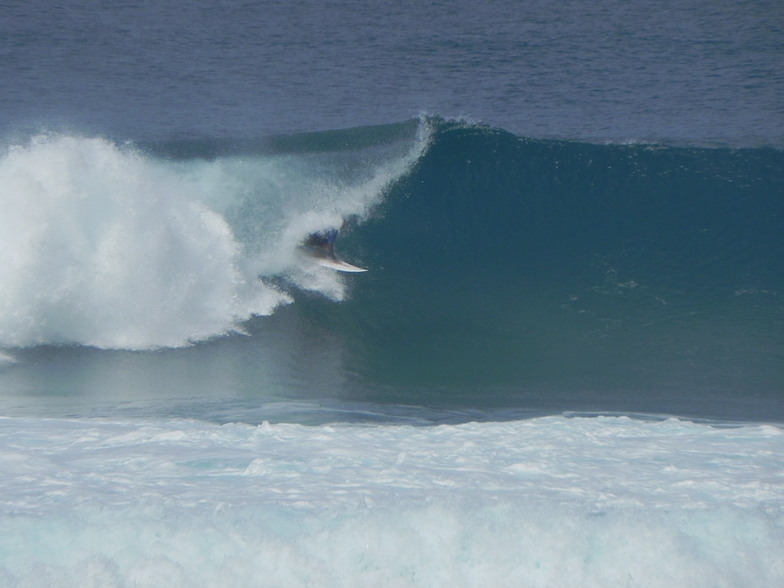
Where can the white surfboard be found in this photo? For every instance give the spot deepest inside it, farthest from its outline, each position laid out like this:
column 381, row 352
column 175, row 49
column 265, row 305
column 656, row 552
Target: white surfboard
column 330, row 261
column 338, row 265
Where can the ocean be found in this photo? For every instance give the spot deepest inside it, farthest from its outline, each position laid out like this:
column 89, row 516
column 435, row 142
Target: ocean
column 563, row 367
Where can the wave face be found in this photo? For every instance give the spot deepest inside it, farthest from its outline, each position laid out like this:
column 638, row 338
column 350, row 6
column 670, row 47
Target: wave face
column 160, row 246
column 505, row 261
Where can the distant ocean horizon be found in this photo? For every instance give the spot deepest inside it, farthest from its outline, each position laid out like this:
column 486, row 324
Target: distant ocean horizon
column 565, row 365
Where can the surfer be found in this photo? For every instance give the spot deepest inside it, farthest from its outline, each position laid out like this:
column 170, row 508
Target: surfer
column 320, row 247
column 323, row 243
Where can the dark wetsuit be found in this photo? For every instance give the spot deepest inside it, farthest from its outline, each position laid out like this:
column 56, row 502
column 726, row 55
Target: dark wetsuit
column 323, row 242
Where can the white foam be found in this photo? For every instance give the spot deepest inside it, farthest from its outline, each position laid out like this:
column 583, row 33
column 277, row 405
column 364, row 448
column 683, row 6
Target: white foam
column 544, row 502
column 101, row 245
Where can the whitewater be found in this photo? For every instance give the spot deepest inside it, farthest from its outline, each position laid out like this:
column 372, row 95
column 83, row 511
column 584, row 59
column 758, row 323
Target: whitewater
column 541, row 502
column 107, row 247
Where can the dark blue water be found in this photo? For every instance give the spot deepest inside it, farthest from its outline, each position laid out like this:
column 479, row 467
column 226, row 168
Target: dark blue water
column 688, row 72
column 592, row 221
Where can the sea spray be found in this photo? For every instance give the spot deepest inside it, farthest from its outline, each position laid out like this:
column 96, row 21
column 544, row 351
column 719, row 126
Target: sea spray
column 113, row 247
column 104, row 247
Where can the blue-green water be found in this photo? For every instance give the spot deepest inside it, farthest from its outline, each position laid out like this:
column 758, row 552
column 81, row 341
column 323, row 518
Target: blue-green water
column 565, row 265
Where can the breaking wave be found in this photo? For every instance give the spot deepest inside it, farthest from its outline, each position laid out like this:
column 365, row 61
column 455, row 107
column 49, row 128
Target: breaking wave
column 121, row 246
